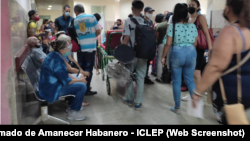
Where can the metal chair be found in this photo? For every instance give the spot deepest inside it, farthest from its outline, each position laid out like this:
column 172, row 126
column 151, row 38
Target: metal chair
column 33, row 75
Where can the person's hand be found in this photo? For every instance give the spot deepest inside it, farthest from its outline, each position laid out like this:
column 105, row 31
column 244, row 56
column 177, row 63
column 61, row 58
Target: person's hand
column 163, row 61
column 83, row 80
column 85, row 73
column 195, row 99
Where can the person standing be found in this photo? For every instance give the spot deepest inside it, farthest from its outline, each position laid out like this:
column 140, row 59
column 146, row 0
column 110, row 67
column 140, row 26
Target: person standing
column 181, row 41
column 87, row 29
column 46, row 26
column 160, row 34
column 194, row 11
column 138, row 65
column 32, row 28
column 62, row 23
column 231, row 42
column 148, row 14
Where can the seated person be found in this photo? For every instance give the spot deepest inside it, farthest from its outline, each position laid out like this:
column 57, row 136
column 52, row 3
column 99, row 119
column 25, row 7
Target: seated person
column 36, row 51
column 55, row 81
column 60, row 33
column 46, row 41
column 118, row 25
column 70, row 59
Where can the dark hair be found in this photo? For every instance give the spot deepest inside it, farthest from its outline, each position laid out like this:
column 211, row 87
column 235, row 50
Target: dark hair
column 180, row 13
column 97, row 16
column 66, row 6
column 53, row 33
column 168, row 15
column 58, row 45
column 241, row 8
column 138, row 4
column 198, row 4
column 79, row 8
column 31, row 13
column 119, row 20
column 159, row 18
column 45, row 20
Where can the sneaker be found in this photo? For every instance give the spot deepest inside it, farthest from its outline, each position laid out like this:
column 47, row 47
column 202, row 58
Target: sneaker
column 138, row 107
column 129, row 103
column 69, row 109
column 185, row 98
column 73, row 115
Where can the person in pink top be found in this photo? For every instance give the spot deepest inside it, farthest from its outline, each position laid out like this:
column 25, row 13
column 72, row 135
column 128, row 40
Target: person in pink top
column 98, row 43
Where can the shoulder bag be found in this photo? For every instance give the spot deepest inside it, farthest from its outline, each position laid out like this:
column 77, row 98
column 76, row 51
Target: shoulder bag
column 202, row 41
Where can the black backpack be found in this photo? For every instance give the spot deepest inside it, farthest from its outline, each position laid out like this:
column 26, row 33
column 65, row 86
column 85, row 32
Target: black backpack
column 145, row 41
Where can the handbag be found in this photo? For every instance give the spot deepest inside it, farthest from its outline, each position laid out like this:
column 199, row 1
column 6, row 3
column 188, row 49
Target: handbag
column 202, row 41
column 235, row 113
column 166, row 75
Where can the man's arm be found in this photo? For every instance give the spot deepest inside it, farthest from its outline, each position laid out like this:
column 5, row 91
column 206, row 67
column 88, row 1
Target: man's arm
column 98, row 32
column 126, row 33
column 56, row 26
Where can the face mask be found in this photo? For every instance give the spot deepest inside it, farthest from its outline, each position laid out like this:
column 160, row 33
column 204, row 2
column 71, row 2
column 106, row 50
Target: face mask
column 66, row 54
column 191, row 10
column 37, row 18
column 149, row 15
column 199, row 13
column 67, row 14
column 37, row 46
column 50, row 37
column 224, row 15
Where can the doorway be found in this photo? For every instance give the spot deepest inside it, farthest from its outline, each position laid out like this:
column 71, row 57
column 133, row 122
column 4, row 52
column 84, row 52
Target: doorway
column 100, row 10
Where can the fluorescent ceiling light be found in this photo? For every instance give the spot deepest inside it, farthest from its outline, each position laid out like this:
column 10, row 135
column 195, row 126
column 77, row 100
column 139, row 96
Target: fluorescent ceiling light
column 50, row 6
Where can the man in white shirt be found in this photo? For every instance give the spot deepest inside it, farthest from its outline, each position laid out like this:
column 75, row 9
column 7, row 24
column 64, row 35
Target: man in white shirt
column 138, row 65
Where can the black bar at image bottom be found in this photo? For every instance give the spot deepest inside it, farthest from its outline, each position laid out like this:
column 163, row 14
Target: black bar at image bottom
column 166, row 131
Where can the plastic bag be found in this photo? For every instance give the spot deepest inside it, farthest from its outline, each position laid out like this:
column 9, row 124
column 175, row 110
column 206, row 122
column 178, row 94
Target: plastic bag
column 118, row 72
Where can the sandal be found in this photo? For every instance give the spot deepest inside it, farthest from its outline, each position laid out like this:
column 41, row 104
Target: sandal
column 85, row 104
column 177, row 111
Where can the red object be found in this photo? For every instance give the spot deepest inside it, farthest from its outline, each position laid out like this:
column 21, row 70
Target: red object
column 21, row 56
column 37, row 18
column 53, row 38
column 183, row 88
column 202, row 41
column 114, row 42
column 75, row 46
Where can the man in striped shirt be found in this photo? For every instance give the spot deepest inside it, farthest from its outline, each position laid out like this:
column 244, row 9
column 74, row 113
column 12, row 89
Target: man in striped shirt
column 87, row 29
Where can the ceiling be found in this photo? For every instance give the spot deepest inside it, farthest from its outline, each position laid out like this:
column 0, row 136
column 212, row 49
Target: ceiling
column 56, row 4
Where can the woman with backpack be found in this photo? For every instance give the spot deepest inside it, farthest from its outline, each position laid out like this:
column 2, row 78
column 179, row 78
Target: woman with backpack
column 195, row 17
column 181, row 42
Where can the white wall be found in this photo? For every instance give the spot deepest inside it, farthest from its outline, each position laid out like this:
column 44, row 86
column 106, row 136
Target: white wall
column 160, row 6
column 219, row 4
column 109, row 4
column 26, row 4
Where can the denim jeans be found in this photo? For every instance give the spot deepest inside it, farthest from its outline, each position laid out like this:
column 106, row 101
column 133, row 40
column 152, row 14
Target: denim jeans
column 182, row 61
column 140, row 66
column 77, row 89
column 86, row 61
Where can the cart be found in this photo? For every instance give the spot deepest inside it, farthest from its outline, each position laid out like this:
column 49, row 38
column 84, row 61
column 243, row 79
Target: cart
column 106, row 54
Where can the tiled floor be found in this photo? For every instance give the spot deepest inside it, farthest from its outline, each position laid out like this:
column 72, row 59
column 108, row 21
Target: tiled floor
column 109, row 110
